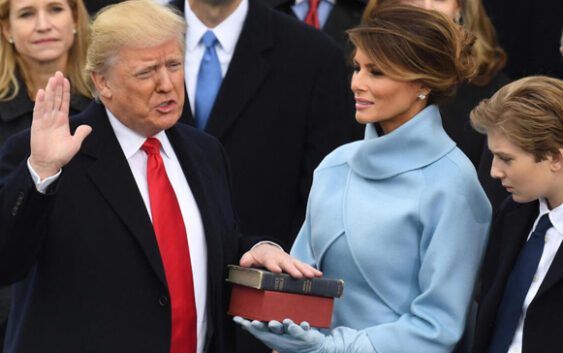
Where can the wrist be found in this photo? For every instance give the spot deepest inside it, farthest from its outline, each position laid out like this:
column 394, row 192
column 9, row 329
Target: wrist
column 43, row 170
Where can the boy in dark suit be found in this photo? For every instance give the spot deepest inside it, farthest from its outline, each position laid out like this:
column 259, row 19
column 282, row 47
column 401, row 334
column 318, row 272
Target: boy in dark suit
column 520, row 306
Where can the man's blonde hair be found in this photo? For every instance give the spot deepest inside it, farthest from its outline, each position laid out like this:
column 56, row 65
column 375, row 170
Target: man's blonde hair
column 133, row 24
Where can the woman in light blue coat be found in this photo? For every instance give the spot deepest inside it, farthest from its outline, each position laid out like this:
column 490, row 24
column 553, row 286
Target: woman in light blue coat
column 400, row 215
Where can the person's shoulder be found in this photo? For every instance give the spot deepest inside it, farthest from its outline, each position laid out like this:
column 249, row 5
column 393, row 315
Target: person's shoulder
column 339, row 156
column 455, row 173
column 455, row 163
column 197, row 139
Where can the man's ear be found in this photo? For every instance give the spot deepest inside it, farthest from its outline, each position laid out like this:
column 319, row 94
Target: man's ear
column 102, row 85
column 556, row 160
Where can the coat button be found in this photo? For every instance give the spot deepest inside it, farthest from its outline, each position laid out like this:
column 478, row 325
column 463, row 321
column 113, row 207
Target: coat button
column 163, row 300
column 18, row 203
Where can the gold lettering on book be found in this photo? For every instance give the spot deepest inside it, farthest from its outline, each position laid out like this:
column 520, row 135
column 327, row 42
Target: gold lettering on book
column 279, row 283
column 307, row 286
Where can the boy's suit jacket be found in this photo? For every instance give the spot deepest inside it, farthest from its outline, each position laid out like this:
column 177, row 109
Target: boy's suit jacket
column 543, row 324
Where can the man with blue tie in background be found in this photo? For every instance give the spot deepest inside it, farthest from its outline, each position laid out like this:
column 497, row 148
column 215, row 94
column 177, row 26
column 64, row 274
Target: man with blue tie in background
column 274, row 92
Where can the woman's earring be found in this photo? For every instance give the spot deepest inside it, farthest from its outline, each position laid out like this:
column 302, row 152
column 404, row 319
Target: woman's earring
column 74, row 31
column 11, row 41
column 422, row 96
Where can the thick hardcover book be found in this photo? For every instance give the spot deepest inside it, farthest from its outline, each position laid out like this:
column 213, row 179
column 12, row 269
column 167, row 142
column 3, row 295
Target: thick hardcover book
column 282, row 282
column 265, row 305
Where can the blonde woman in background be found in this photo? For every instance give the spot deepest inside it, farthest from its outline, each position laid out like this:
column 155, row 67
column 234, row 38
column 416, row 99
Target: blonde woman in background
column 39, row 37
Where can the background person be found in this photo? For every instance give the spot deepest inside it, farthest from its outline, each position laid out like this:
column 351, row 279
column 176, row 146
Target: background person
column 117, row 236
column 334, row 16
column 400, row 216
column 38, row 38
column 522, row 279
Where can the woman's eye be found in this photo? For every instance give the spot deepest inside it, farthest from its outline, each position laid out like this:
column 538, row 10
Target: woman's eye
column 25, row 14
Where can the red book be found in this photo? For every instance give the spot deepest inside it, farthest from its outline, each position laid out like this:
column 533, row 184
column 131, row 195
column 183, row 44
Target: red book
column 266, row 305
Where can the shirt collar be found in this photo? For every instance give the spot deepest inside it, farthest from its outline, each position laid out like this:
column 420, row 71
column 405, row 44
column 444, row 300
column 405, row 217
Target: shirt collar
column 555, row 215
column 131, row 141
column 227, row 32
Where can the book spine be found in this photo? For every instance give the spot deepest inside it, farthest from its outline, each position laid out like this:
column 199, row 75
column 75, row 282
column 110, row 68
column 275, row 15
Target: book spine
column 310, row 286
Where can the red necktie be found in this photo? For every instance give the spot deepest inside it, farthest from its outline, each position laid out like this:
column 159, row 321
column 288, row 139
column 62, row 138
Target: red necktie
column 173, row 244
column 312, row 17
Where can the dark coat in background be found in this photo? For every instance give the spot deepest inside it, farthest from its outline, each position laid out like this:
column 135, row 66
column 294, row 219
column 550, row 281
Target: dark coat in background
column 529, row 32
column 283, row 105
column 345, row 14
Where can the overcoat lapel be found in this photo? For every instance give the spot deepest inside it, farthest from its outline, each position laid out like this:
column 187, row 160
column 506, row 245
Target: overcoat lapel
column 515, row 230
column 247, row 70
column 111, row 174
column 192, row 159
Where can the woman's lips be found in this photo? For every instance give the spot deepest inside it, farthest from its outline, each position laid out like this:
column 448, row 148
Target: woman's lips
column 45, row 41
column 363, row 103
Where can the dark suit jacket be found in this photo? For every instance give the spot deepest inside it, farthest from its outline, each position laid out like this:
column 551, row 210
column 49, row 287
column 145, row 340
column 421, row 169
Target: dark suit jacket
column 84, row 257
column 543, row 325
column 15, row 116
column 283, row 105
column 345, row 14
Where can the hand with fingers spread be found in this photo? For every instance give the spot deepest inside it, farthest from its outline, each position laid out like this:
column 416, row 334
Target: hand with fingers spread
column 52, row 144
column 276, row 260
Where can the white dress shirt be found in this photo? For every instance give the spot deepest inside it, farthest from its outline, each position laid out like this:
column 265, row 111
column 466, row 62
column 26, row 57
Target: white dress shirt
column 553, row 238
column 131, row 143
column 227, row 33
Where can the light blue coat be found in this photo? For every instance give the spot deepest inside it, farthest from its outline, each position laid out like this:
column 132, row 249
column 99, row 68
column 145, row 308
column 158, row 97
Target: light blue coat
column 403, row 220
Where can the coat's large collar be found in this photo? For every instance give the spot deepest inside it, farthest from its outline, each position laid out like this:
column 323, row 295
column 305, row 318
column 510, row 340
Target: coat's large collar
column 422, row 138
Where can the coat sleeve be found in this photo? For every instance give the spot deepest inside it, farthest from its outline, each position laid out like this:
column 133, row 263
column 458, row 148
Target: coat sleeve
column 23, row 212
column 301, row 248
column 455, row 220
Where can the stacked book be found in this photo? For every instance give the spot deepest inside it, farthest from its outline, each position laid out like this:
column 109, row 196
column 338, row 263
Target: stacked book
column 262, row 295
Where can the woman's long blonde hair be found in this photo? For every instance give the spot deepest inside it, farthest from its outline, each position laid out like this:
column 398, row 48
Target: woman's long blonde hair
column 11, row 61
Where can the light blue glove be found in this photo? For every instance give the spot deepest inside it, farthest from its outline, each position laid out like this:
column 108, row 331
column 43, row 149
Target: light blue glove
column 292, row 338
